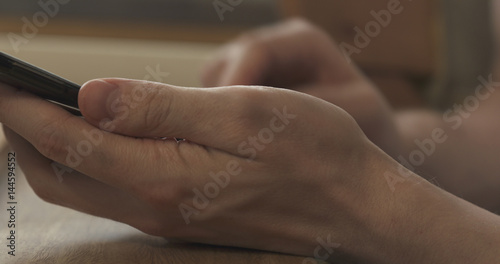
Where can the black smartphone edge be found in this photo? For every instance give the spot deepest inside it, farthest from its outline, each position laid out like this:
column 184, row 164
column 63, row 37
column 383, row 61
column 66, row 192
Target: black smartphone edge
column 40, row 82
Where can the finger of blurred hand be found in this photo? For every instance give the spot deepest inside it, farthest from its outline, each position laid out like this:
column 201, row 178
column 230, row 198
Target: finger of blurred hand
column 212, row 70
column 236, row 64
column 286, row 55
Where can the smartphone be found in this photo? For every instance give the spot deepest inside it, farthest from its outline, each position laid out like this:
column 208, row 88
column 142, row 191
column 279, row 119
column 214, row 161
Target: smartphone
column 25, row 76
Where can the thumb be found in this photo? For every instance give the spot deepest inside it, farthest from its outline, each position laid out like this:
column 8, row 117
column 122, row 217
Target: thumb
column 154, row 110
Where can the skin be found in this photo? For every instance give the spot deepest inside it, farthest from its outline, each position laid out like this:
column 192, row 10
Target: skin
column 300, row 57
column 320, row 177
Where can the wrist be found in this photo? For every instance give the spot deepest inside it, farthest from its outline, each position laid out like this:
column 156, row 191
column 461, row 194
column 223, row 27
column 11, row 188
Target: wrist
column 408, row 220
column 425, row 224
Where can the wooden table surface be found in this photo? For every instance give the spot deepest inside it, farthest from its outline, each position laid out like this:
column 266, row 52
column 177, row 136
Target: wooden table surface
column 47, row 233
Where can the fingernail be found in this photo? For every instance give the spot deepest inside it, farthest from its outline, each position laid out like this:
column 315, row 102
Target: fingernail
column 96, row 98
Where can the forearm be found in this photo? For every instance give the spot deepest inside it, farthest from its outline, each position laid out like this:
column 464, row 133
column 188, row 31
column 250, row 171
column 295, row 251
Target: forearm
column 408, row 220
column 442, row 228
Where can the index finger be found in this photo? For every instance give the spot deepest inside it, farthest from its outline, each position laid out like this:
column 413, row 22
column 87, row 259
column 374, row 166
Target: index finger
column 113, row 159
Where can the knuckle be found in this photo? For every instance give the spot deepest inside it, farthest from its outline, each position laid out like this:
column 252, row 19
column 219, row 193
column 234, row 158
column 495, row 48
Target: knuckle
column 161, row 196
column 306, row 30
column 249, row 38
column 163, row 192
column 301, row 23
column 251, row 104
column 214, row 68
column 258, row 49
column 253, row 43
column 155, row 109
column 250, row 109
column 51, row 142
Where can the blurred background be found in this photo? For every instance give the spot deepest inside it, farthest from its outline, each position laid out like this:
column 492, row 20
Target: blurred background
column 430, row 54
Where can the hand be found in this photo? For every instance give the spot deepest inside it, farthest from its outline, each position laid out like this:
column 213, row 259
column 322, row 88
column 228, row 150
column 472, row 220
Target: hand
column 298, row 56
column 288, row 55
column 260, row 168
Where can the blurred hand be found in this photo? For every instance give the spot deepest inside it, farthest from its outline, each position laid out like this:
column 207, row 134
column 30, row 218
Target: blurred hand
column 298, row 56
column 287, row 55
column 261, row 168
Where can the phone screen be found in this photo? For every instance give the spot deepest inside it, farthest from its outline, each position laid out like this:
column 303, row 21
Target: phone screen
column 42, row 83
